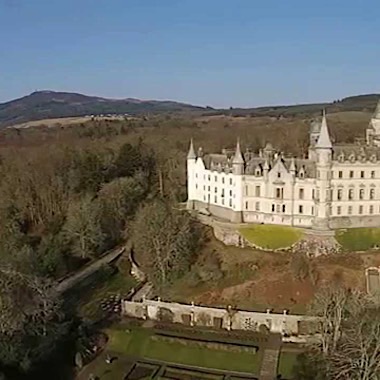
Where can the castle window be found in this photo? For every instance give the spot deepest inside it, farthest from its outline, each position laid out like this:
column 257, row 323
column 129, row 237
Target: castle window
column 301, row 195
column 216, row 179
column 209, row 178
column 360, row 209
column 362, row 174
column 279, row 192
column 246, row 190
column 349, row 210
column 338, row 210
column 258, row 172
column 313, row 194
column 301, row 174
column 230, row 181
column 283, row 208
column 272, row 207
column 246, row 205
column 351, row 174
column 196, row 186
column 204, row 198
column 339, row 195
column 372, row 174
column 372, row 194
column 216, row 189
column 230, row 202
column 371, row 209
column 312, row 211
column 361, row 193
column 222, row 193
column 278, row 175
column 278, row 208
column 257, row 191
column 350, row 194
column 223, row 201
column 230, row 193
column 300, row 209
column 216, row 199
column 208, row 188
column 204, row 187
column 340, row 174
column 257, row 206
column 196, row 175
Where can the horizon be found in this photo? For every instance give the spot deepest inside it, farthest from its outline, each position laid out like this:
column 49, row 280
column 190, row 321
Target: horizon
column 214, row 53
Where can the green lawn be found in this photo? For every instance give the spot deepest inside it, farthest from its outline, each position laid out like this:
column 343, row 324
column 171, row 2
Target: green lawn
column 140, row 342
column 358, row 239
column 270, row 236
column 286, row 363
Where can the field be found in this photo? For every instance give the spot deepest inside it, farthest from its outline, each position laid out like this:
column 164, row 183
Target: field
column 358, row 239
column 271, row 237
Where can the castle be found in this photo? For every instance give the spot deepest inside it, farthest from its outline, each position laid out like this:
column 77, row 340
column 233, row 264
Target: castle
column 337, row 186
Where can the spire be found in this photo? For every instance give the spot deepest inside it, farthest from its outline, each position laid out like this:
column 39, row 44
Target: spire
column 324, row 138
column 376, row 115
column 292, row 167
column 191, row 155
column 238, row 159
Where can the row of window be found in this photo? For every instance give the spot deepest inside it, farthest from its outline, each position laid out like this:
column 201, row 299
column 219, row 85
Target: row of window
column 349, row 210
column 351, row 194
column 351, row 174
column 278, row 208
column 215, row 178
column 223, row 201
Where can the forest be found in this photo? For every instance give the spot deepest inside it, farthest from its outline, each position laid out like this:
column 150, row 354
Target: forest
column 70, row 193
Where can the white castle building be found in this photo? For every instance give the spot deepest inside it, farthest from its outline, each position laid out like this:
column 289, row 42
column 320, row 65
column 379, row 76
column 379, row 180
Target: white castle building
column 336, row 186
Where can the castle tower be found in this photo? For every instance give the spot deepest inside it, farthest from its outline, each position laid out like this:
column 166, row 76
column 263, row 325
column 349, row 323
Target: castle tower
column 238, row 161
column 323, row 151
column 191, row 168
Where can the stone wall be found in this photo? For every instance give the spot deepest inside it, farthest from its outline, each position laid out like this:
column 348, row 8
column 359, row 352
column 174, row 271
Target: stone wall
column 354, row 221
column 229, row 319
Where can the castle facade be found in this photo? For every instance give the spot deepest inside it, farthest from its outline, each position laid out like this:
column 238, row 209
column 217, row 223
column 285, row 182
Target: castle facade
column 337, row 186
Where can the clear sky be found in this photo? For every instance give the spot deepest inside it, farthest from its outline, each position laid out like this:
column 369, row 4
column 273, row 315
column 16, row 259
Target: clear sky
column 209, row 52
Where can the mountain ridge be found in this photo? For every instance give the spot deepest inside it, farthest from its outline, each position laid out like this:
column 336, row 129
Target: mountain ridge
column 48, row 104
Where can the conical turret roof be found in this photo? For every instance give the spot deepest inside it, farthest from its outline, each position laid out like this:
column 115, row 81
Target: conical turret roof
column 324, row 137
column 238, row 158
column 191, row 154
column 376, row 115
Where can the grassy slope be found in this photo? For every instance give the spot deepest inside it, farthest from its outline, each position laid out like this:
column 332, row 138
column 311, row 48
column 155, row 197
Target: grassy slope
column 358, row 239
column 286, row 364
column 271, row 237
column 140, row 343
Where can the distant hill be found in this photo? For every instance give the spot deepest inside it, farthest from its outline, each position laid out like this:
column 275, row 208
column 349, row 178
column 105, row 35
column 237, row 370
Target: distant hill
column 364, row 103
column 42, row 105
column 50, row 104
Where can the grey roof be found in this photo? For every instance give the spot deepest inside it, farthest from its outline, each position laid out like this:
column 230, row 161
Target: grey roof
column 352, row 152
column 238, row 158
column 324, row 137
column 191, row 154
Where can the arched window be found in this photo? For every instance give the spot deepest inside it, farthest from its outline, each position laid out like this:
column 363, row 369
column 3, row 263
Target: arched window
column 351, row 194
column 361, row 194
column 372, row 194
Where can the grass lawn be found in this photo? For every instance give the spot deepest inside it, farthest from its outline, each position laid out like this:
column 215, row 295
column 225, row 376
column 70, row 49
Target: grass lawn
column 270, row 236
column 286, row 363
column 140, row 342
column 358, row 239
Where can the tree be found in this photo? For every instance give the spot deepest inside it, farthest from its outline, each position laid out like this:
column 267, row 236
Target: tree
column 165, row 240
column 83, row 228
column 118, row 201
column 350, row 338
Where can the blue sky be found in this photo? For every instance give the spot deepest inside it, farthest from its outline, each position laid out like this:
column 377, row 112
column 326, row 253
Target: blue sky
column 212, row 52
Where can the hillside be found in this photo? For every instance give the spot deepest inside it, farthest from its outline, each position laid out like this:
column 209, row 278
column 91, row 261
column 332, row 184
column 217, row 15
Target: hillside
column 50, row 104
column 42, row 105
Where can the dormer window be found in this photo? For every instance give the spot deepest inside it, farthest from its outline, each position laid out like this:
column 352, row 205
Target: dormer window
column 352, row 157
column 258, row 172
column 278, row 175
column 373, row 158
column 301, row 173
column 341, row 157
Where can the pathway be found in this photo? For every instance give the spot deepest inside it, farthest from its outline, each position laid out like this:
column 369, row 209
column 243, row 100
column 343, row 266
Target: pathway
column 270, row 359
column 107, row 258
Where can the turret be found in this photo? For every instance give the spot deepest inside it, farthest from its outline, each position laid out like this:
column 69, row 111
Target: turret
column 323, row 151
column 292, row 168
column 238, row 161
column 266, row 169
column 191, row 181
column 191, row 155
